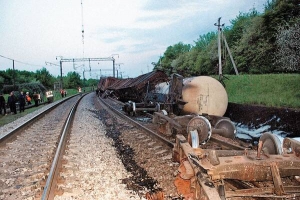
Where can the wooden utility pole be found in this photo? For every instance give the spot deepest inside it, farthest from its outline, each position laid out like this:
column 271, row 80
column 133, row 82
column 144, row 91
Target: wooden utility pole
column 61, row 78
column 231, row 58
column 13, row 75
column 219, row 46
column 221, row 35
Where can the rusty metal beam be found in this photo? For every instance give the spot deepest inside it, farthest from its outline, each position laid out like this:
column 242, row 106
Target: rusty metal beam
column 277, row 179
column 266, row 192
column 242, row 167
column 170, row 120
column 249, row 192
column 209, row 189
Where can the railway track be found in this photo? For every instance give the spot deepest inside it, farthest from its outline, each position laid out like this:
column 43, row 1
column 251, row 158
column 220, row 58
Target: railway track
column 27, row 152
column 145, row 154
column 114, row 106
column 58, row 158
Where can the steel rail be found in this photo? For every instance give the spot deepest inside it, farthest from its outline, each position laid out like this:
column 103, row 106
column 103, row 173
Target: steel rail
column 170, row 144
column 50, row 186
column 12, row 134
column 116, row 101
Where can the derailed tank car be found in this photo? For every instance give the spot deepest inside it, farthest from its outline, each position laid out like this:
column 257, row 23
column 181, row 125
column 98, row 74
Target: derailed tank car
column 193, row 109
column 179, row 104
column 176, row 103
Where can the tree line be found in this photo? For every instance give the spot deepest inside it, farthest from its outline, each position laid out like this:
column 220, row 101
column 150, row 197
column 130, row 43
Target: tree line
column 260, row 43
column 18, row 79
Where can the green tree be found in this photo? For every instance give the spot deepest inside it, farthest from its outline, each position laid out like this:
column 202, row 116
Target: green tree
column 239, row 25
column 72, row 80
column 26, row 77
column 44, row 77
column 171, row 53
column 243, row 40
column 6, row 77
column 278, row 13
column 250, row 51
column 91, row 82
column 204, row 40
column 288, row 43
column 207, row 55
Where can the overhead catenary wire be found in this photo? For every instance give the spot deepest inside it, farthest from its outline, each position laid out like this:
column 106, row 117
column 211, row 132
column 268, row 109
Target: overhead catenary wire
column 25, row 63
column 82, row 30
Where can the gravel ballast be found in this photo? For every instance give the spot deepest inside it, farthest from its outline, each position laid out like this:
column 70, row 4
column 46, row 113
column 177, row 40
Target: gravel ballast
column 99, row 172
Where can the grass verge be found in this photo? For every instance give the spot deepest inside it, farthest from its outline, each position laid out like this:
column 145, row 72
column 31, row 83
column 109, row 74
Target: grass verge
column 276, row 90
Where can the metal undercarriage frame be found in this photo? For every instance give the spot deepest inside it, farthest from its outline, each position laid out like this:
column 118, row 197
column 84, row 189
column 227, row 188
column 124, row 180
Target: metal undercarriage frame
column 204, row 124
column 222, row 174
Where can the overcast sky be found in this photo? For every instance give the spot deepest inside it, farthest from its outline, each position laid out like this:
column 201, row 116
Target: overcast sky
column 135, row 32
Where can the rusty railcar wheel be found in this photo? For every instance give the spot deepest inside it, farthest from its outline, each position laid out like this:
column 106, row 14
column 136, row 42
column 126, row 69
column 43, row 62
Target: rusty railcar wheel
column 270, row 144
column 202, row 126
column 228, row 128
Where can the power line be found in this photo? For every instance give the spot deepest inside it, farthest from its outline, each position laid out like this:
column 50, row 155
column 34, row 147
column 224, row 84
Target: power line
column 82, row 30
column 21, row 61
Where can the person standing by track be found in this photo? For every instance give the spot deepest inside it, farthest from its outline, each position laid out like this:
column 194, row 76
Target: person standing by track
column 36, row 99
column 79, row 90
column 62, row 93
column 2, row 104
column 28, row 99
column 11, row 101
column 22, row 102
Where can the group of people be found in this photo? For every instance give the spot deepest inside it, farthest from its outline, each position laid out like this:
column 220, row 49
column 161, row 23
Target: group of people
column 11, row 102
column 63, row 93
column 22, row 99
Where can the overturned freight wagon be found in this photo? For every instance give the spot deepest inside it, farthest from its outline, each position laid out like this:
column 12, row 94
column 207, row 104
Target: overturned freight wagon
column 104, row 83
column 132, row 89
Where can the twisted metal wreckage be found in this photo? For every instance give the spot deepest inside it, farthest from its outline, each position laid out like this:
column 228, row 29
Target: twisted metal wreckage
column 213, row 163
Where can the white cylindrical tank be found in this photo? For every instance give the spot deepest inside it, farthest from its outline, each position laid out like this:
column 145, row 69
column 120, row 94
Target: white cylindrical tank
column 203, row 94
